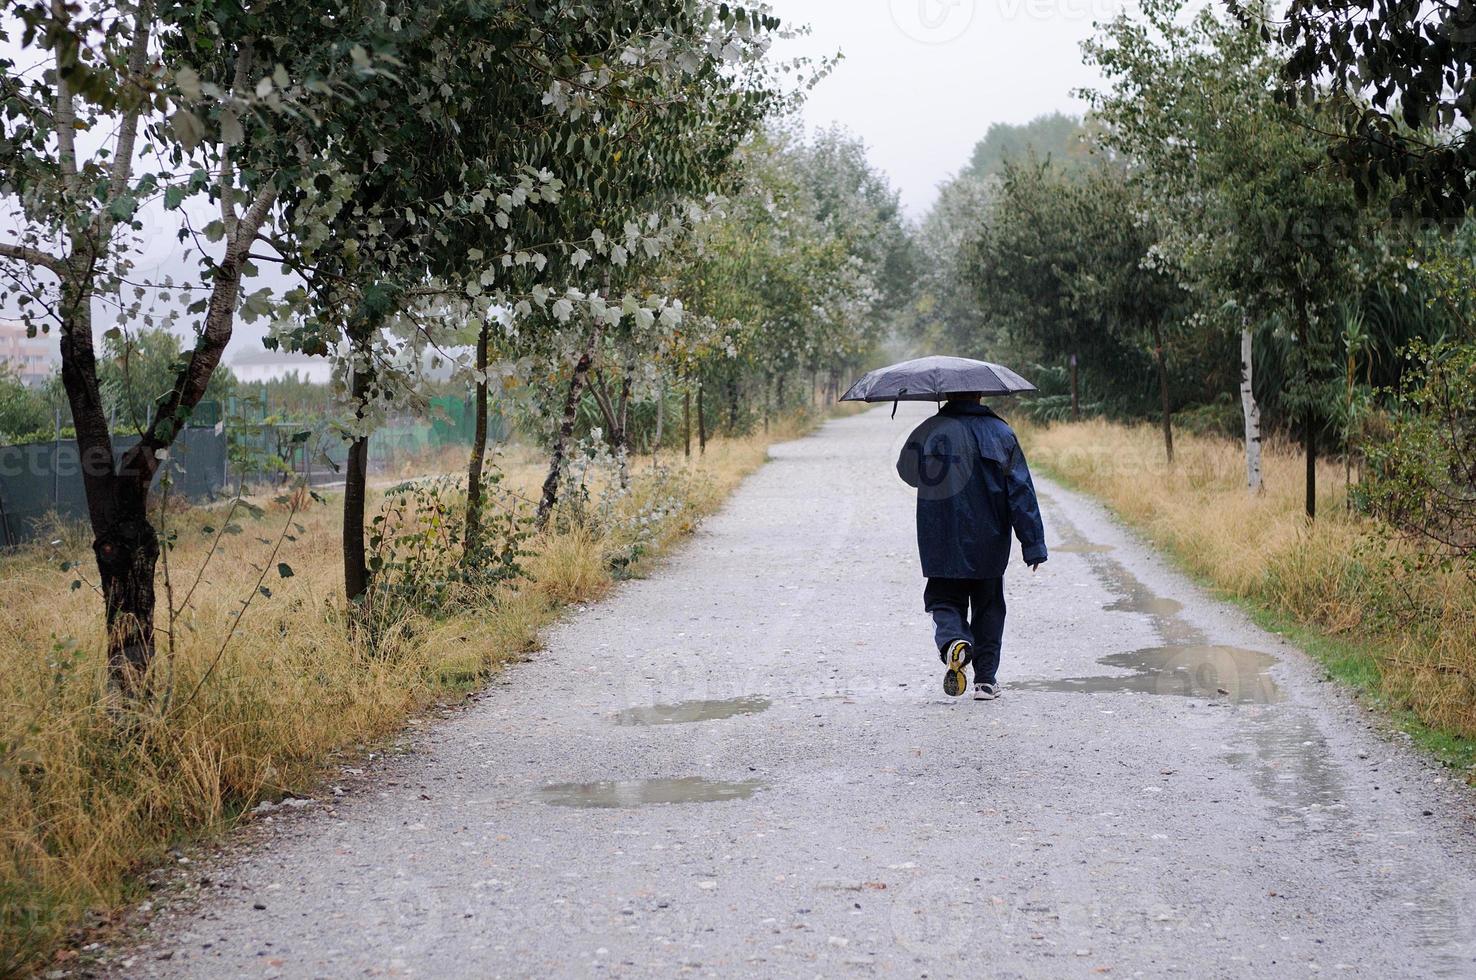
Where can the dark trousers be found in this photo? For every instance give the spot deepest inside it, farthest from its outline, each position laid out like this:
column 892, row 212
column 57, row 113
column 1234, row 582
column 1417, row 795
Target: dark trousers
column 950, row 601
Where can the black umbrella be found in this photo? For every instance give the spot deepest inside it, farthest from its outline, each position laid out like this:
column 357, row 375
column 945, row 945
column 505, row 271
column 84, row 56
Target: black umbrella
column 927, row 379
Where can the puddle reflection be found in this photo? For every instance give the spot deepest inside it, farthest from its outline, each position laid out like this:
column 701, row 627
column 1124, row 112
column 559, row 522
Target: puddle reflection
column 612, row 793
column 684, row 712
column 1195, row 671
column 1080, row 548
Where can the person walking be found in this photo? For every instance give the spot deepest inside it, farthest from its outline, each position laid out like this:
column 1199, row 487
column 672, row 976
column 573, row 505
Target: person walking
column 973, row 489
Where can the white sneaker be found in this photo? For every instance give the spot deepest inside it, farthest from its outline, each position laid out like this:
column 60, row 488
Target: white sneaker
column 986, row 692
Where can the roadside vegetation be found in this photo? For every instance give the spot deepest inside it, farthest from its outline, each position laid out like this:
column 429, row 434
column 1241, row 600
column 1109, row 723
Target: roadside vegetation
column 1245, row 296
column 594, row 228
column 88, row 801
column 1368, row 605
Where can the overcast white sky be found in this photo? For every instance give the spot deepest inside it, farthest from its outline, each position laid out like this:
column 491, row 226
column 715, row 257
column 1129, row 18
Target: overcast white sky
column 922, row 80
column 920, row 83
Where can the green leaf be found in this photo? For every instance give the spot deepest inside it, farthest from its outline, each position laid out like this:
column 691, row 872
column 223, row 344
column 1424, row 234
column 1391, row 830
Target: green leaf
column 284, row 569
column 187, row 127
column 188, row 82
column 122, row 207
column 231, row 132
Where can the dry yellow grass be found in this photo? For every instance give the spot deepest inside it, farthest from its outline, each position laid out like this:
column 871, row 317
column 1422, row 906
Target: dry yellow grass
column 86, row 804
column 1342, row 575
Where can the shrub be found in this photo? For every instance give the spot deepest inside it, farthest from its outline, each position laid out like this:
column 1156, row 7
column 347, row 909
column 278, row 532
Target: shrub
column 1421, row 476
column 420, row 555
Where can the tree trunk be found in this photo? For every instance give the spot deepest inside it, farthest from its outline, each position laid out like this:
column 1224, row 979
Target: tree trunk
column 768, row 384
column 660, row 422
column 1163, row 392
column 550, row 493
column 732, row 405
column 124, row 545
column 129, row 540
column 1075, row 393
column 478, row 452
column 1252, row 411
column 1309, row 436
column 355, row 493
column 687, row 423
column 1351, row 381
column 622, row 443
column 127, row 552
column 1309, row 433
column 701, row 423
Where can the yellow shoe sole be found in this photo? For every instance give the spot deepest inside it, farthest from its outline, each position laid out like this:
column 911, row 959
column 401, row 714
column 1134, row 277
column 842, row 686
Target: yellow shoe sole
column 955, row 682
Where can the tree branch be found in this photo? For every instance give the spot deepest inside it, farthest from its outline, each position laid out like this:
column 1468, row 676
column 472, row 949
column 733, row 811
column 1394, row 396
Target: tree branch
column 602, row 400
column 33, row 256
column 140, row 462
column 66, row 111
column 128, row 132
column 244, row 58
column 253, row 219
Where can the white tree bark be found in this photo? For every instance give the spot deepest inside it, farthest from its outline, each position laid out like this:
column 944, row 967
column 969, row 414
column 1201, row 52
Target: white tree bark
column 1252, row 415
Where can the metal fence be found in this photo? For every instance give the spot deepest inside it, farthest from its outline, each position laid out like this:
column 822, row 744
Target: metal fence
column 43, row 480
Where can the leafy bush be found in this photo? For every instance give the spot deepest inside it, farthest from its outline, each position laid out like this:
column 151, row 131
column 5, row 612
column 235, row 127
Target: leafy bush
column 1421, row 474
column 25, row 414
column 635, row 523
column 630, row 521
column 420, row 555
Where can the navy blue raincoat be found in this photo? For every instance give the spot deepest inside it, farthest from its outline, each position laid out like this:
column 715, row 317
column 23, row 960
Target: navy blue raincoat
column 973, row 488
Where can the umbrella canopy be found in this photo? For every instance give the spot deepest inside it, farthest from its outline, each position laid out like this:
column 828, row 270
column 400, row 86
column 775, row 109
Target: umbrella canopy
column 927, row 379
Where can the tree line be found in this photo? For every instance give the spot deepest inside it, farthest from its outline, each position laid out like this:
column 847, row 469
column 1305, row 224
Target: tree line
column 1259, row 225
column 602, row 204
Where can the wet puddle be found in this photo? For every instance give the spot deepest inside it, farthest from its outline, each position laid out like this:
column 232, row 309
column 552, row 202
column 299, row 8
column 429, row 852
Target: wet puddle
column 1284, row 754
column 611, row 793
column 1287, row 758
column 1199, row 671
column 1132, row 595
column 1072, row 543
column 1080, row 548
column 1135, row 597
column 684, row 712
column 1147, row 603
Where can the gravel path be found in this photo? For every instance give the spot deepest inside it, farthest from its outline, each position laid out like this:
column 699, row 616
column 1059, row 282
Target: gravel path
column 1164, row 789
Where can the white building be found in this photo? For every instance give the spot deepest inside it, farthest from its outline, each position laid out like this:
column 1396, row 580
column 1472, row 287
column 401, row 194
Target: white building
column 252, row 362
column 33, row 359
